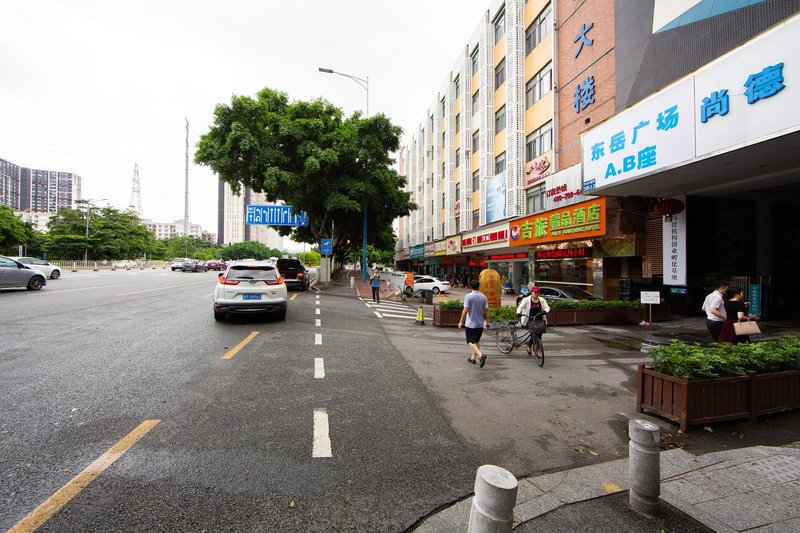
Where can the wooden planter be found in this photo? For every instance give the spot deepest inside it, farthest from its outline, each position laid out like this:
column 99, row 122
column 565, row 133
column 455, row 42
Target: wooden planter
column 703, row 401
column 568, row 317
column 447, row 318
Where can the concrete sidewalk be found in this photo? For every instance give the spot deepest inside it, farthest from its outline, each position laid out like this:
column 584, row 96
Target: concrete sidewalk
column 733, row 490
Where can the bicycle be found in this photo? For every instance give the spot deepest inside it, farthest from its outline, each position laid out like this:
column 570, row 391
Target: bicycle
column 336, row 275
column 506, row 339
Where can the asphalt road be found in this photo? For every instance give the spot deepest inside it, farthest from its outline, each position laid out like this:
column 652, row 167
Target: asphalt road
column 231, row 442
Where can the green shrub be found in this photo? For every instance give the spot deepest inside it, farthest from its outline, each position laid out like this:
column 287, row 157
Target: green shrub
column 451, row 304
column 501, row 314
column 697, row 361
column 594, row 304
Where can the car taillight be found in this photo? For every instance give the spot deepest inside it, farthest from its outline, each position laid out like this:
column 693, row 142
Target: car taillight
column 225, row 281
column 275, row 281
column 300, row 275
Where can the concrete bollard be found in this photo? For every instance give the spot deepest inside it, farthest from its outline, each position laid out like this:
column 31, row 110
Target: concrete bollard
column 644, row 467
column 352, row 282
column 493, row 504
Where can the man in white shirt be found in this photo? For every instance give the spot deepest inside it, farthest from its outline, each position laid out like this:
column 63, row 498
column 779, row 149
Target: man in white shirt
column 714, row 308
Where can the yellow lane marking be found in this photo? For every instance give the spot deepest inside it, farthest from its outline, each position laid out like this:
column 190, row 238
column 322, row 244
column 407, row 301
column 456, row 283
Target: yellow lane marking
column 239, row 346
column 62, row 497
column 293, row 297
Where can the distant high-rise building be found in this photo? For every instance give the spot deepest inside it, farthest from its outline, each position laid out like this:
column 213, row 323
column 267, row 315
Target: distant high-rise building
column 36, row 190
column 232, row 228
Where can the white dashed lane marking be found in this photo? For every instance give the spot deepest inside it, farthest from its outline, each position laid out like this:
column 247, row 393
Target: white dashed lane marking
column 322, row 439
column 319, row 368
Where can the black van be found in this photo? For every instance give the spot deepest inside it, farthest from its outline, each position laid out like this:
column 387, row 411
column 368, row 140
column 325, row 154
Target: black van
column 294, row 274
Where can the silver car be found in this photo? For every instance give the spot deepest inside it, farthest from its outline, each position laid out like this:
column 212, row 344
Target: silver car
column 15, row 274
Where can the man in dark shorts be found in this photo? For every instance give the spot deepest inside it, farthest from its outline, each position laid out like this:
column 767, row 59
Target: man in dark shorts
column 474, row 315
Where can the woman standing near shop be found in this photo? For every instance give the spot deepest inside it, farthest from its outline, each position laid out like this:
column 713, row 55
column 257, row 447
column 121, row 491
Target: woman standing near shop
column 736, row 311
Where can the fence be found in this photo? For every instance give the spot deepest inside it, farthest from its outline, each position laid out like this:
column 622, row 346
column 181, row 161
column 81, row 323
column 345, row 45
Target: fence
column 110, row 265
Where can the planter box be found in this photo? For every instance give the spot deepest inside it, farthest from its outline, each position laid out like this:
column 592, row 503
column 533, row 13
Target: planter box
column 447, row 318
column 703, row 401
column 567, row 317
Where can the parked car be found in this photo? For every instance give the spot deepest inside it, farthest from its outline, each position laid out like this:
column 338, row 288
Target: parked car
column 565, row 293
column 16, row 274
column 177, row 263
column 194, row 265
column 429, row 283
column 255, row 287
column 294, row 273
column 49, row 270
column 215, row 264
column 127, row 264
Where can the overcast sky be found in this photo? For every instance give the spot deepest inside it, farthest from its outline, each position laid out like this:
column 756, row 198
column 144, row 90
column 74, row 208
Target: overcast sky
column 93, row 87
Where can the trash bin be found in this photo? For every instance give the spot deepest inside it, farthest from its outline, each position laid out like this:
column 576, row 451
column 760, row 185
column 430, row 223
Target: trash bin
column 429, row 297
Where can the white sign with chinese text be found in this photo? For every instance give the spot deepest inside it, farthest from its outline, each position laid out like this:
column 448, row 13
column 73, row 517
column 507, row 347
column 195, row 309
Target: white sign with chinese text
column 564, row 188
column 656, row 133
column 751, row 94
column 650, row 297
column 674, row 246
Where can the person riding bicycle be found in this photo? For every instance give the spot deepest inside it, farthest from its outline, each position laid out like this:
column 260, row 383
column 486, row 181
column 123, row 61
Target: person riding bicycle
column 532, row 309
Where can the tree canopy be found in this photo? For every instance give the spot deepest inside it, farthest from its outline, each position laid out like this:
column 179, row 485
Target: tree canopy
column 309, row 156
column 13, row 231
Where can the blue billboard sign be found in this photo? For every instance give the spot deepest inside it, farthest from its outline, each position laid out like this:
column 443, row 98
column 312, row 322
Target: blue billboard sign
column 326, row 247
column 274, row 215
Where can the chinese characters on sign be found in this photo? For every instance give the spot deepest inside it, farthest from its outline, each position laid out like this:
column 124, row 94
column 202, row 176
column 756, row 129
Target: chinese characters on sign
column 578, row 221
column 569, row 253
column 584, row 94
column 559, row 193
column 274, row 215
column 762, row 85
column 484, row 238
column 674, row 251
column 582, row 38
column 537, row 170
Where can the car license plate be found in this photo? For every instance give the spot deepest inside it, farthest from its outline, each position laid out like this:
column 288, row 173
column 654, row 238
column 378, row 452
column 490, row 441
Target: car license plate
column 251, row 297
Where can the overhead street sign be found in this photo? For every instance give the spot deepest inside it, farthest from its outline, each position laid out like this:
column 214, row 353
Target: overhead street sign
column 274, row 215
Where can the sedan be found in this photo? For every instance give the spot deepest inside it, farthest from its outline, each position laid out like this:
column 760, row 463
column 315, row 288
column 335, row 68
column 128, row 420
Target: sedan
column 565, row 293
column 49, row 270
column 193, row 265
column 215, row 264
column 431, row 284
column 16, row 274
column 255, row 287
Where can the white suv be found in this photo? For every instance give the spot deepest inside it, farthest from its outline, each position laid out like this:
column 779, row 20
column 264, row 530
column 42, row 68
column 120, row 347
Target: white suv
column 255, row 287
column 51, row 271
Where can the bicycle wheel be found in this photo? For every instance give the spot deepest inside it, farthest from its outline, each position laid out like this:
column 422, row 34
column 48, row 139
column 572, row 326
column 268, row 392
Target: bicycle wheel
column 335, row 275
column 504, row 338
column 538, row 350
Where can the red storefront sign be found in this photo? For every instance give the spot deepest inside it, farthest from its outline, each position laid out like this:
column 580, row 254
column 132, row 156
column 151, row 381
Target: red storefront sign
column 504, row 257
column 569, row 253
column 485, row 238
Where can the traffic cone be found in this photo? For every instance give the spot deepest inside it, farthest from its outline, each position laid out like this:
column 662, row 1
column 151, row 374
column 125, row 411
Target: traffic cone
column 420, row 316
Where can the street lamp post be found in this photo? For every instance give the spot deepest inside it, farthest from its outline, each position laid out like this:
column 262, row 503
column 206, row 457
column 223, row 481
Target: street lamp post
column 364, row 84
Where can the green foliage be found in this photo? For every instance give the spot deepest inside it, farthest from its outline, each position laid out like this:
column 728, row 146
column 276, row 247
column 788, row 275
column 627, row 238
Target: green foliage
column 501, row 314
column 13, row 231
column 179, row 246
column 593, row 304
column 451, row 304
column 697, row 361
column 314, row 159
column 309, row 258
column 248, row 250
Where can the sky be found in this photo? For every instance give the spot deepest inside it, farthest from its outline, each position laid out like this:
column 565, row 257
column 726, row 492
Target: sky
column 94, row 87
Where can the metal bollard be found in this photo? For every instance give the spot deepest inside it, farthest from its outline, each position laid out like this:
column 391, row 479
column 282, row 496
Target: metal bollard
column 493, row 504
column 352, row 282
column 644, row 467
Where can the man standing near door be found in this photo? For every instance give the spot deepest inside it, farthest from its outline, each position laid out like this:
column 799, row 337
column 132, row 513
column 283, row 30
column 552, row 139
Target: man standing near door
column 714, row 308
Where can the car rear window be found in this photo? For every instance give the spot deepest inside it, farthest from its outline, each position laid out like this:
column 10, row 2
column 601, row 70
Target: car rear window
column 289, row 264
column 252, row 272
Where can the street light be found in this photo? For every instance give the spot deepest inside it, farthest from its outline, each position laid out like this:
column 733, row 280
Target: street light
column 88, row 203
column 364, row 84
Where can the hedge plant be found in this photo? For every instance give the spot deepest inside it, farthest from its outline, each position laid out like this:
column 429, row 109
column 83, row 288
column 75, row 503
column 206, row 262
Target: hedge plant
column 451, row 304
column 501, row 314
column 718, row 360
column 593, row 304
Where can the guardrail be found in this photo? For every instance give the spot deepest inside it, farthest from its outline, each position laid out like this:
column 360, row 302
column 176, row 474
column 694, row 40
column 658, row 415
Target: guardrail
column 75, row 266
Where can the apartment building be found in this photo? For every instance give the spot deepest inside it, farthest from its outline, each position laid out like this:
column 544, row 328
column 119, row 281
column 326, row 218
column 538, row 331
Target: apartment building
column 515, row 166
column 34, row 190
column 167, row 230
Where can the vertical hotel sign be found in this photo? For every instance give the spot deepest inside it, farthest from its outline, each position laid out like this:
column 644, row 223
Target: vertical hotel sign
column 674, row 243
column 575, row 222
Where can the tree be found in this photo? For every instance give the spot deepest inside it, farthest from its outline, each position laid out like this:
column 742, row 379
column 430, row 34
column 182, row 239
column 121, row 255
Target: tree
column 195, row 247
column 307, row 155
column 309, row 258
column 13, row 231
column 248, row 250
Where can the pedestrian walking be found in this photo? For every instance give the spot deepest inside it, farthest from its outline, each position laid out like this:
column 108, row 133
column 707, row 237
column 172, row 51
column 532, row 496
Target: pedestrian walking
column 714, row 308
column 531, row 310
column 375, row 283
column 473, row 318
column 735, row 311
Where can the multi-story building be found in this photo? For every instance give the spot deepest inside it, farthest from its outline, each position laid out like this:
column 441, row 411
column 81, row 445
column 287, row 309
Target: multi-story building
column 231, row 216
column 569, row 186
column 37, row 219
column 44, row 191
column 167, row 230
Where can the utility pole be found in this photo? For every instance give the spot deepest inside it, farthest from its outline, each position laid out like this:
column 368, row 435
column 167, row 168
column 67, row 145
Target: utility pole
column 186, row 196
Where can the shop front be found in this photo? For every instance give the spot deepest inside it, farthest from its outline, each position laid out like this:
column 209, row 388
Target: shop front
column 416, row 256
column 513, row 268
column 475, row 245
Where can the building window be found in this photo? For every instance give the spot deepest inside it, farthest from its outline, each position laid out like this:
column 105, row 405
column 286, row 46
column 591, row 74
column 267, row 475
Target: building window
column 476, row 181
column 538, row 29
column 539, row 142
column 443, row 170
column 499, row 26
column 457, row 84
column 539, row 85
column 458, row 122
column 476, row 142
column 458, row 224
column 500, row 163
column 442, row 234
column 534, row 199
column 443, row 138
column 442, row 200
column 442, row 106
column 458, row 157
column 500, row 73
column 475, row 102
column 458, row 192
column 475, row 60
column 500, row 120
column 476, row 218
